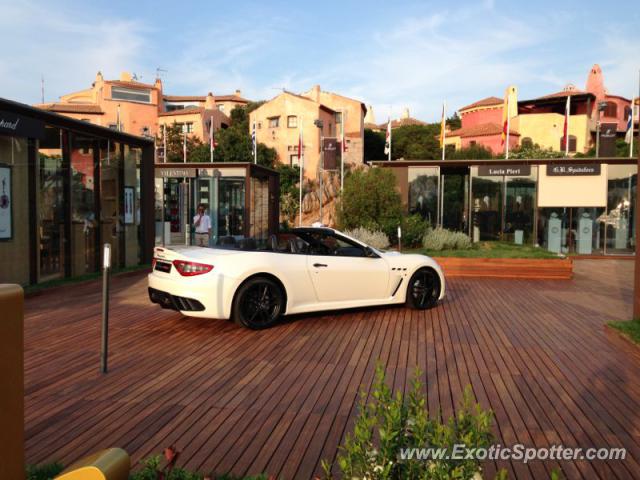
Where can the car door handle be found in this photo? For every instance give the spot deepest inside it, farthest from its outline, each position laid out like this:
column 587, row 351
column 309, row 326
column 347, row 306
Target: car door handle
column 318, row 265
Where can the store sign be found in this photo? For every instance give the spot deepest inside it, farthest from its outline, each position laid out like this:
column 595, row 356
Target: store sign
column 17, row 125
column 608, row 134
column 176, row 172
column 6, row 220
column 330, row 149
column 209, row 172
column 504, row 170
column 570, row 170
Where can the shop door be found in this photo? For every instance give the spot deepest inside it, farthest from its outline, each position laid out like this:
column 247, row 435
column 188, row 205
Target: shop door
column 206, row 193
column 454, row 199
column 51, row 221
column 231, row 208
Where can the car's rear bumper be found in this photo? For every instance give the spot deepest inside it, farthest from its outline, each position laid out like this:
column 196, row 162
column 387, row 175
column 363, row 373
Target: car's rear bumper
column 174, row 302
column 194, row 297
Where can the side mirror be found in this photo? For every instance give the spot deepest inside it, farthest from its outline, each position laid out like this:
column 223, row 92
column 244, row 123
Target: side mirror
column 368, row 252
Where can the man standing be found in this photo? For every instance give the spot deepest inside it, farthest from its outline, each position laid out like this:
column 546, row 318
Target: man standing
column 202, row 222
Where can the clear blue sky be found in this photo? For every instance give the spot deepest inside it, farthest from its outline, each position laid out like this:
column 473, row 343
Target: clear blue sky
column 392, row 55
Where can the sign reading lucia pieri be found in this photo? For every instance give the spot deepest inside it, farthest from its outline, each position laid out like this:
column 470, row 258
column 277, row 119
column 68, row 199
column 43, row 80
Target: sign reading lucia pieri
column 572, row 169
column 504, row 170
column 16, row 125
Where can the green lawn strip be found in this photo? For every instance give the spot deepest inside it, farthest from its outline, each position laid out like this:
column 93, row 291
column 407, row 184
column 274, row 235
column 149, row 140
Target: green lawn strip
column 493, row 249
column 80, row 278
column 630, row 329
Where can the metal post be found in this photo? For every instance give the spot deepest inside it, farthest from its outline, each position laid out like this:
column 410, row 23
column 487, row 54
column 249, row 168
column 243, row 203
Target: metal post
column 321, row 174
column 106, row 268
column 399, row 238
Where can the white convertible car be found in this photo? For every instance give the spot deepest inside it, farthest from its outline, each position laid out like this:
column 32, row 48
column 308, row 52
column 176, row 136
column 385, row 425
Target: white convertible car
column 302, row 270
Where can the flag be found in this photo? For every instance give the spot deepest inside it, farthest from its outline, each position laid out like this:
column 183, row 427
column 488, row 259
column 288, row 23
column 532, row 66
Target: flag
column 629, row 135
column 565, row 130
column 505, row 118
column 184, row 145
column 443, row 125
column 387, row 143
column 212, row 139
column 300, row 146
column 254, row 145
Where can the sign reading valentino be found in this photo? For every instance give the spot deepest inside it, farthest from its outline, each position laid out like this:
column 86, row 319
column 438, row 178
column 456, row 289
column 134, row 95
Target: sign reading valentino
column 571, row 169
column 504, row 170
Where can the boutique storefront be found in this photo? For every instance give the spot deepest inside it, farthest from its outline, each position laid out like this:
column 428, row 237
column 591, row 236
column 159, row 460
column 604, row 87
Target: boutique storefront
column 66, row 188
column 241, row 200
column 574, row 206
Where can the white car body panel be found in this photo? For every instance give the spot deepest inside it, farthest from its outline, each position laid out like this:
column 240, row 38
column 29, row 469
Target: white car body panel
column 345, row 282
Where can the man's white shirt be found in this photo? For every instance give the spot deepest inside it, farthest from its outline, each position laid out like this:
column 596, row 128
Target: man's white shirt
column 205, row 223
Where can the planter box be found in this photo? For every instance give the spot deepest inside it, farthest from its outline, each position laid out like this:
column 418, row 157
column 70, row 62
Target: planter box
column 547, row 269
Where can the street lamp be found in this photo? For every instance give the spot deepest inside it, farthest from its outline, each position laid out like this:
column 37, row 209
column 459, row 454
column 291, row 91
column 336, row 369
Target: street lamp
column 601, row 108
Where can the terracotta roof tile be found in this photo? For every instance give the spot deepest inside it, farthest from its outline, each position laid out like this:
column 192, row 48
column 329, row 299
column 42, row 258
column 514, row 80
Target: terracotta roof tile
column 71, row 107
column 482, row 129
column 182, row 111
column 202, row 98
column 485, row 102
column 184, row 98
column 130, row 84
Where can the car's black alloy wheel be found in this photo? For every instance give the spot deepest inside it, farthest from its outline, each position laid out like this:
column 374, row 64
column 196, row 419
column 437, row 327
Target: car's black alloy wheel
column 423, row 289
column 258, row 304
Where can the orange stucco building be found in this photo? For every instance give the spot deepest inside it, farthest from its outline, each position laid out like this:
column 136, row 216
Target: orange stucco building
column 541, row 120
column 279, row 121
column 143, row 108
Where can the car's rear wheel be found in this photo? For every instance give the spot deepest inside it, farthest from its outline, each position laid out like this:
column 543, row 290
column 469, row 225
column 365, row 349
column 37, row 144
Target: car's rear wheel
column 423, row 290
column 259, row 303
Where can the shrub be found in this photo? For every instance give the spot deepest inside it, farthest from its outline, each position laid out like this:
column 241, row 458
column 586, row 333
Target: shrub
column 43, row 472
column 442, row 239
column 387, row 424
column 414, row 228
column 370, row 200
column 376, row 239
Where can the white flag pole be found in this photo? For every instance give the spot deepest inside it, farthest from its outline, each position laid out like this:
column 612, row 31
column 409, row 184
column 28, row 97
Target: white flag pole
column 444, row 129
column 164, row 145
column 343, row 116
column 184, row 145
column 211, row 139
column 301, row 165
column 568, row 114
column 506, row 155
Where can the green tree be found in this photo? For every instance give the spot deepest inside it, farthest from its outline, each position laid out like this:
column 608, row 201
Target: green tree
column 454, row 121
column 370, row 199
column 234, row 143
column 373, row 145
column 470, row 153
column 175, row 145
column 416, row 142
column 532, row 151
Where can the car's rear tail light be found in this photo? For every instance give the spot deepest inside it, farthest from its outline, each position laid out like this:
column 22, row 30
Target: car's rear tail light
column 189, row 269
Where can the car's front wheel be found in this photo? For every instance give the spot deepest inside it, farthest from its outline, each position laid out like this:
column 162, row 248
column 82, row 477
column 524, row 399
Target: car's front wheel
column 423, row 290
column 259, row 303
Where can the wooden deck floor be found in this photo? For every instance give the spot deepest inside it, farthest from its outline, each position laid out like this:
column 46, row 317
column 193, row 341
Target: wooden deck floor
column 280, row 400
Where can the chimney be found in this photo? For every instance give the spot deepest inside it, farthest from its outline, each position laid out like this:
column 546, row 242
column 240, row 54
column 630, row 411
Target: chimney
column 405, row 113
column 210, row 102
column 238, row 92
column 125, row 77
column 370, row 117
column 315, row 93
column 158, row 84
column 99, row 77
